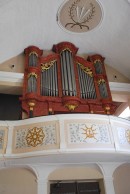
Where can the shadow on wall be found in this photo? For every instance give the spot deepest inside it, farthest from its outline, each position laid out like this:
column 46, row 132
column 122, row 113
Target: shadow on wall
column 10, row 108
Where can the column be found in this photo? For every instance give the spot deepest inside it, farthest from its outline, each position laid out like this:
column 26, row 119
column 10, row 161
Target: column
column 42, row 172
column 109, row 187
column 42, row 186
column 108, row 170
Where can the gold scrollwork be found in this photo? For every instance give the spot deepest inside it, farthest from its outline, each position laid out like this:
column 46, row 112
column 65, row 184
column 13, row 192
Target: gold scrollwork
column 101, row 81
column 35, row 137
column 66, row 49
column 86, row 70
column 48, row 65
column 97, row 60
column 127, row 134
column 32, row 74
column 33, row 53
column 71, row 107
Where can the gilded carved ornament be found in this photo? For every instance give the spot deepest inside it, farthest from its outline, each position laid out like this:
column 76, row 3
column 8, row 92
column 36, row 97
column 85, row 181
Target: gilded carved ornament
column 86, row 70
column 66, row 49
column 100, row 81
column 71, row 107
column 107, row 109
column 33, row 53
column 1, row 139
column 48, row 65
column 32, row 74
column 31, row 105
column 97, row 60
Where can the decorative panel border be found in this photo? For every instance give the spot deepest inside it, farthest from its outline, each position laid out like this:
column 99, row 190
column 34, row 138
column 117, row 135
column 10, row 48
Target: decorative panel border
column 88, row 134
column 3, row 139
column 36, row 137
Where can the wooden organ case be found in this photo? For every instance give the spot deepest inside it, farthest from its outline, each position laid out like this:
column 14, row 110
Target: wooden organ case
column 64, row 83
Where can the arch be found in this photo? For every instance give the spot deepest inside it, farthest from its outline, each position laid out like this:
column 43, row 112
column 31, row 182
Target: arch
column 18, row 180
column 71, row 172
column 78, row 173
column 121, row 177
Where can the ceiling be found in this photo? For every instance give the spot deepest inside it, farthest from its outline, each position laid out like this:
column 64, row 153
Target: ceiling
column 34, row 22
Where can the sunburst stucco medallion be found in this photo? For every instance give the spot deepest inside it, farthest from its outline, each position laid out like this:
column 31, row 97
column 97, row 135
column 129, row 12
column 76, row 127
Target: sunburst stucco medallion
column 80, row 15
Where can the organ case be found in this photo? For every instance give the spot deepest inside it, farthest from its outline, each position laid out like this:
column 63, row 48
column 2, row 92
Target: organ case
column 63, row 82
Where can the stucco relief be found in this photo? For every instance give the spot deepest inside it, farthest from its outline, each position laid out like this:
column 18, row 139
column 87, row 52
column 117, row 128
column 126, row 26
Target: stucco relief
column 3, row 139
column 123, row 135
column 36, row 137
column 86, row 132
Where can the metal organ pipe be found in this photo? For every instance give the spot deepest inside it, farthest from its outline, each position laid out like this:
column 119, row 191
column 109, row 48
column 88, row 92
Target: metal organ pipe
column 32, row 84
column 72, row 73
column 67, row 70
column 33, row 57
column 64, row 74
column 55, row 78
column 49, row 84
column 54, row 82
column 86, row 82
column 103, row 90
column 69, row 76
column 98, row 67
column 81, row 82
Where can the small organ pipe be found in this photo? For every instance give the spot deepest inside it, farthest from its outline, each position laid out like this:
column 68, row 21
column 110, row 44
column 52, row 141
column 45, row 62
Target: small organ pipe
column 72, row 73
column 69, row 75
column 86, row 84
column 56, row 80
column 49, row 81
column 53, row 81
column 62, row 72
column 80, row 81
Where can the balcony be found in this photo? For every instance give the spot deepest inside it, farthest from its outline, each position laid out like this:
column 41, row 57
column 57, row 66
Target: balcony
column 69, row 138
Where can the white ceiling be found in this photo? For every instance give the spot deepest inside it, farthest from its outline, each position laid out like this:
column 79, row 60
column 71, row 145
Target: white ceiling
column 34, row 22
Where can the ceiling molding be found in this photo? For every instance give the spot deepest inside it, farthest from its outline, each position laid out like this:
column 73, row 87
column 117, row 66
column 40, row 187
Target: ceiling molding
column 119, row 87
column 11, row 77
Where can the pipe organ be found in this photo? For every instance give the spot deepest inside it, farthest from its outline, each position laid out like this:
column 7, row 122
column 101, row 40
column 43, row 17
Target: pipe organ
column 63, row 82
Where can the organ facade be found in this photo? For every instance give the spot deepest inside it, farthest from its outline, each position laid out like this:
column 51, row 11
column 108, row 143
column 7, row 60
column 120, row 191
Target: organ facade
column 64, row 82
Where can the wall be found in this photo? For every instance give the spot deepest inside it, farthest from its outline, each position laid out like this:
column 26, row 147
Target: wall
column 88, row 173
column 115, row 76
column 78, row 173
column 17, row 181
column 122, row 179
column 18, row 62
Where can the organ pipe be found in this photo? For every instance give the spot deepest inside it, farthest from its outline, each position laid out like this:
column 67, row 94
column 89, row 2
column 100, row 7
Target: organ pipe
column 103, row 88
column 33, row 58
column 63, row 82
column 68, row 77
column 49, row 83
column 32, row 82
column 86, row 82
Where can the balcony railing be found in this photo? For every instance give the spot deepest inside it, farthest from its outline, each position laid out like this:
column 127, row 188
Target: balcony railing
column 64, row 134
